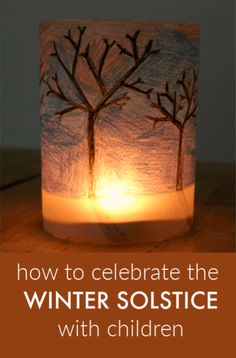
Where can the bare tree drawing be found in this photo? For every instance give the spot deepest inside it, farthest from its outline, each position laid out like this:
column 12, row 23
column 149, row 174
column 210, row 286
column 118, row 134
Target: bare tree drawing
column 178, row 107
column 109, row 96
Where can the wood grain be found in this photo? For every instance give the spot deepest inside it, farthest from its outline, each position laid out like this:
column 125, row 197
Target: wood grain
column 213, row 230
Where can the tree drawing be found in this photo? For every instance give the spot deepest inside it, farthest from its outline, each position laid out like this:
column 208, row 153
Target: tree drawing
column 114, row 95
column 178, row 107
column 41, row 80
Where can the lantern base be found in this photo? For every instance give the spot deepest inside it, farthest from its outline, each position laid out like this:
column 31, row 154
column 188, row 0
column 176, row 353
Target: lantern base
column 118, row 234
column 85, row 221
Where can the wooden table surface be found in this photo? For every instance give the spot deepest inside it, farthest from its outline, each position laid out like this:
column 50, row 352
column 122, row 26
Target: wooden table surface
column 21, row 222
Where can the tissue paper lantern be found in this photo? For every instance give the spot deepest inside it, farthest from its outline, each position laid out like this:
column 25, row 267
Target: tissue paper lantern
column 118, row 114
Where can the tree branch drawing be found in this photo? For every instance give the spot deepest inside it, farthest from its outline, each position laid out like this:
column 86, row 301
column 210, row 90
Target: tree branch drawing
column 177, row 107
column 109, row 96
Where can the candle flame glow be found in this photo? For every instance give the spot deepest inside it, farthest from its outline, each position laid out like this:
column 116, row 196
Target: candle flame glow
column 115, row 196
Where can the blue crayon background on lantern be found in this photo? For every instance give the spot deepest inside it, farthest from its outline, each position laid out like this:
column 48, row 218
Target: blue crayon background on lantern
column 127, row 145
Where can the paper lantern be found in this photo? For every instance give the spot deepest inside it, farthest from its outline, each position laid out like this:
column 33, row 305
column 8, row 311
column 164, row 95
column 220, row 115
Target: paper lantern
column 118, row 113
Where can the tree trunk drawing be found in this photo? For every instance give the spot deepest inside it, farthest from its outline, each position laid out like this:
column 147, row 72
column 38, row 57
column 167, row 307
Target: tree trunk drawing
column 179, row 107
column 179, row 175
column 109, row 97
column 91, row 152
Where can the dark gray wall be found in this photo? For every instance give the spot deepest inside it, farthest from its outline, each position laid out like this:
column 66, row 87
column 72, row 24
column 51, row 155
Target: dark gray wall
column 20, row 62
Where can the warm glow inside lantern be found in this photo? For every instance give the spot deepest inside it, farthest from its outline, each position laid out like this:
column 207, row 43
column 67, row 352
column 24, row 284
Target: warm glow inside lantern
column 118, row 113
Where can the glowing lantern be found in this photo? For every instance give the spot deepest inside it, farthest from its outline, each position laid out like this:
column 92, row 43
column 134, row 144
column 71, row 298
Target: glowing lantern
column 118, row 114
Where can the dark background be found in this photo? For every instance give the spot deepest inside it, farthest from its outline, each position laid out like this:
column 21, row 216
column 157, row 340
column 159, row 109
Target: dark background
column 20, row 63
